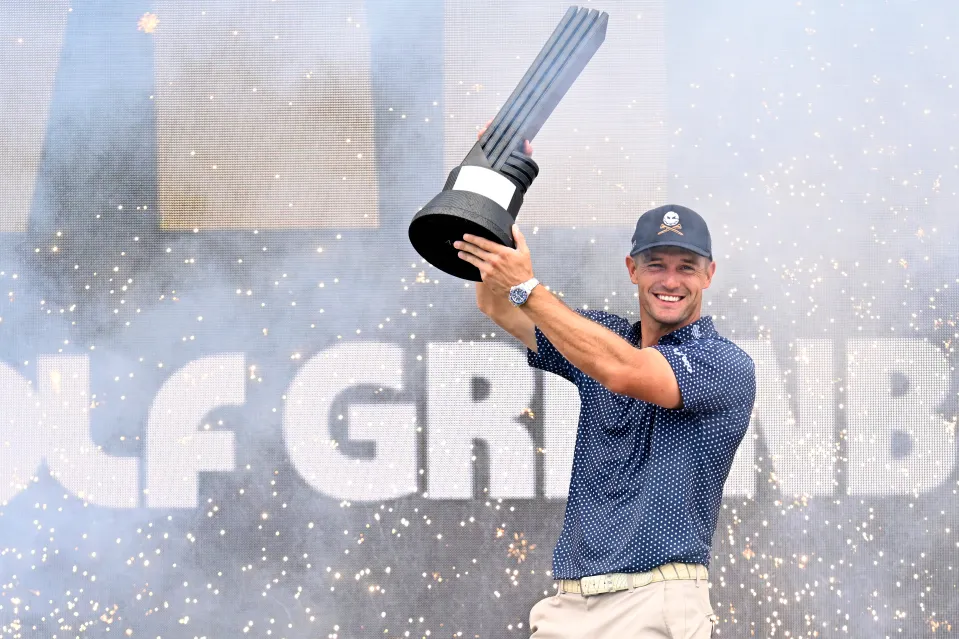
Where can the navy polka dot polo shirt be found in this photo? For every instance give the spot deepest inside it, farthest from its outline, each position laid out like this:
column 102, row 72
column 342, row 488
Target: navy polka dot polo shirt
column 647, row 481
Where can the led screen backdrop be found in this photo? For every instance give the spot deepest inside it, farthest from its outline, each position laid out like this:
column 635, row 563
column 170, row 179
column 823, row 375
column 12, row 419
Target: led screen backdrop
column 237, row 403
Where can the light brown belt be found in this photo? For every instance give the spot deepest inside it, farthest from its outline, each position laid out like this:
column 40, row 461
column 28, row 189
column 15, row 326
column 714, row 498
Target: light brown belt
column 598, row 584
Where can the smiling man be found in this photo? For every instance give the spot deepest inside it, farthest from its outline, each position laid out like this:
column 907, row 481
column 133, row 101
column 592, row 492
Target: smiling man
column 664, row 404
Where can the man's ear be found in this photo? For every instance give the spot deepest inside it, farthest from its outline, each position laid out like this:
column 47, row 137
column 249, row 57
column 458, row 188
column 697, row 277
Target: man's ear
column 631, row 267
column 710, row 271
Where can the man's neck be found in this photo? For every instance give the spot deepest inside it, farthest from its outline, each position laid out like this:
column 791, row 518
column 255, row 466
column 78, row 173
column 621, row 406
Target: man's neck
column 652, row 331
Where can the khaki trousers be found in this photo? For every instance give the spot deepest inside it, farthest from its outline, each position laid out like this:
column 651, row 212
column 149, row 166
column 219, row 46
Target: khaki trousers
column 663, row 610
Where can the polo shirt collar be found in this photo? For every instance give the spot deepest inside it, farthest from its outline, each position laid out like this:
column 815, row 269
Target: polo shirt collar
column 700, row 329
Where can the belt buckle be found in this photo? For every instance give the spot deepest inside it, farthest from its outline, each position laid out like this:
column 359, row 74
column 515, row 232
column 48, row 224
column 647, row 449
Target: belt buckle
column 597, row 584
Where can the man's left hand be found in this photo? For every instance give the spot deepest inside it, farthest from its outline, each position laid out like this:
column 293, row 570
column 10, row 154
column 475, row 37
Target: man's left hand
column 500, row 267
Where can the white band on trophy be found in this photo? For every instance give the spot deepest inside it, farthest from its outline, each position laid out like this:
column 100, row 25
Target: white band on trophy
column 485, row 182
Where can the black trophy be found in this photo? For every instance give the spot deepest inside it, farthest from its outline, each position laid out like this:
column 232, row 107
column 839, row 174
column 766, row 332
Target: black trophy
column 482, row 196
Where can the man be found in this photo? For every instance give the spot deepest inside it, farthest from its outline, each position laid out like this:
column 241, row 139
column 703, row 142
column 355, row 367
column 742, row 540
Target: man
column 665, row 403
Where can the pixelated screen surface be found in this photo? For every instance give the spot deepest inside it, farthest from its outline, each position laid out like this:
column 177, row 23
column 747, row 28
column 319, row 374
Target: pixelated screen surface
column 238, row 403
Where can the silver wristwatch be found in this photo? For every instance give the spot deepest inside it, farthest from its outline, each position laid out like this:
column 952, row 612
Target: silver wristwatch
column 520, row 293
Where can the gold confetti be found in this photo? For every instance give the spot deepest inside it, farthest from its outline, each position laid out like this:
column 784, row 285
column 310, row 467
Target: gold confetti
column 935, row 625
column 520, row 547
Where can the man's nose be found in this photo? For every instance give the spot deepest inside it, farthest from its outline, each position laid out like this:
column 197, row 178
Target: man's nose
column 671, row 280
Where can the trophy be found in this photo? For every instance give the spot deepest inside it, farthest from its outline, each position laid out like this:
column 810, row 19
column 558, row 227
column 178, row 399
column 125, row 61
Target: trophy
column 483, row 195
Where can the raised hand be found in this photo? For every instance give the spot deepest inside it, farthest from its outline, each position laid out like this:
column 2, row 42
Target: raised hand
column 500, row 267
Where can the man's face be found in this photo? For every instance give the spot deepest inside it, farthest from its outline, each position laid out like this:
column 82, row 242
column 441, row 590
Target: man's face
column 671, row 282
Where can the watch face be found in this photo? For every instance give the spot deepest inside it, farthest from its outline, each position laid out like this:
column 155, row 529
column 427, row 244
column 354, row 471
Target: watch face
column 517, row 296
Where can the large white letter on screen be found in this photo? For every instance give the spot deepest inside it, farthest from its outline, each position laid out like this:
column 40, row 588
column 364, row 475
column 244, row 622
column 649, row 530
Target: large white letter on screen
column 22, row 434
column 898, row 441
column 177, row 450
column 802, row 446
column 264, row 115
column 80, row 465
column 53, row 423
column 391, row 473
column 560, row 420
column 478, row 392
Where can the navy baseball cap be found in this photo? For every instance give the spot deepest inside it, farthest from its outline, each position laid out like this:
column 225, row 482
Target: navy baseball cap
column 672, row 225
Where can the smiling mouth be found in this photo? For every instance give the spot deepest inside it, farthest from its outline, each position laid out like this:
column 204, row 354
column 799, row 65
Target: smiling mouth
column 668, row 298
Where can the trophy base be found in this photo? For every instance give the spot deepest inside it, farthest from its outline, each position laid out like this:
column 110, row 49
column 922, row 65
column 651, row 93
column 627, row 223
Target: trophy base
column 446, row 218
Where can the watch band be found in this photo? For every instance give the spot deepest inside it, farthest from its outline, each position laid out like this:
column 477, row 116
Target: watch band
column 527, row 287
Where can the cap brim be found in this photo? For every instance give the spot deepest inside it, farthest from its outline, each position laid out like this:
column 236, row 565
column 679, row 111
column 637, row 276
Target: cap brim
column 684, row 245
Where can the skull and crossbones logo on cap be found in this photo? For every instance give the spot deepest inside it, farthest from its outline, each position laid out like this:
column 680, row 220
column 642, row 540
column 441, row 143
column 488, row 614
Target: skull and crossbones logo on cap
column 671, row 223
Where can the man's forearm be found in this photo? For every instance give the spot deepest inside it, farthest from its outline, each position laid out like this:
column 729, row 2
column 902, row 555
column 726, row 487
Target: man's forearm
column 590, row 347
column 505, row 315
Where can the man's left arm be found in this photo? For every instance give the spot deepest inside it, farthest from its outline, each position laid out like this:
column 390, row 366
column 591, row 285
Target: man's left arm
column 598, row 352
column 602, row 354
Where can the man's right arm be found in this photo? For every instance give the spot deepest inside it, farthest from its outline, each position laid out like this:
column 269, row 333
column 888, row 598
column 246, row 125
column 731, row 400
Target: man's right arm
column 508, row 317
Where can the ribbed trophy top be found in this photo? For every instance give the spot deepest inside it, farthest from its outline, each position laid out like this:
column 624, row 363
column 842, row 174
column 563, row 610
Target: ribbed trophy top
column 483, row 194
column 571, row 46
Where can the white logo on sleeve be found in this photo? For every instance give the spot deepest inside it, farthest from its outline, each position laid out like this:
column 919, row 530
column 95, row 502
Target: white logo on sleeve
column 689, row 367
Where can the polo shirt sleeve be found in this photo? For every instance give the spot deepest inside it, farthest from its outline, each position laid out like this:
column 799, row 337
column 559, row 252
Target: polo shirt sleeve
column 713, row 375
column 549, row 359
